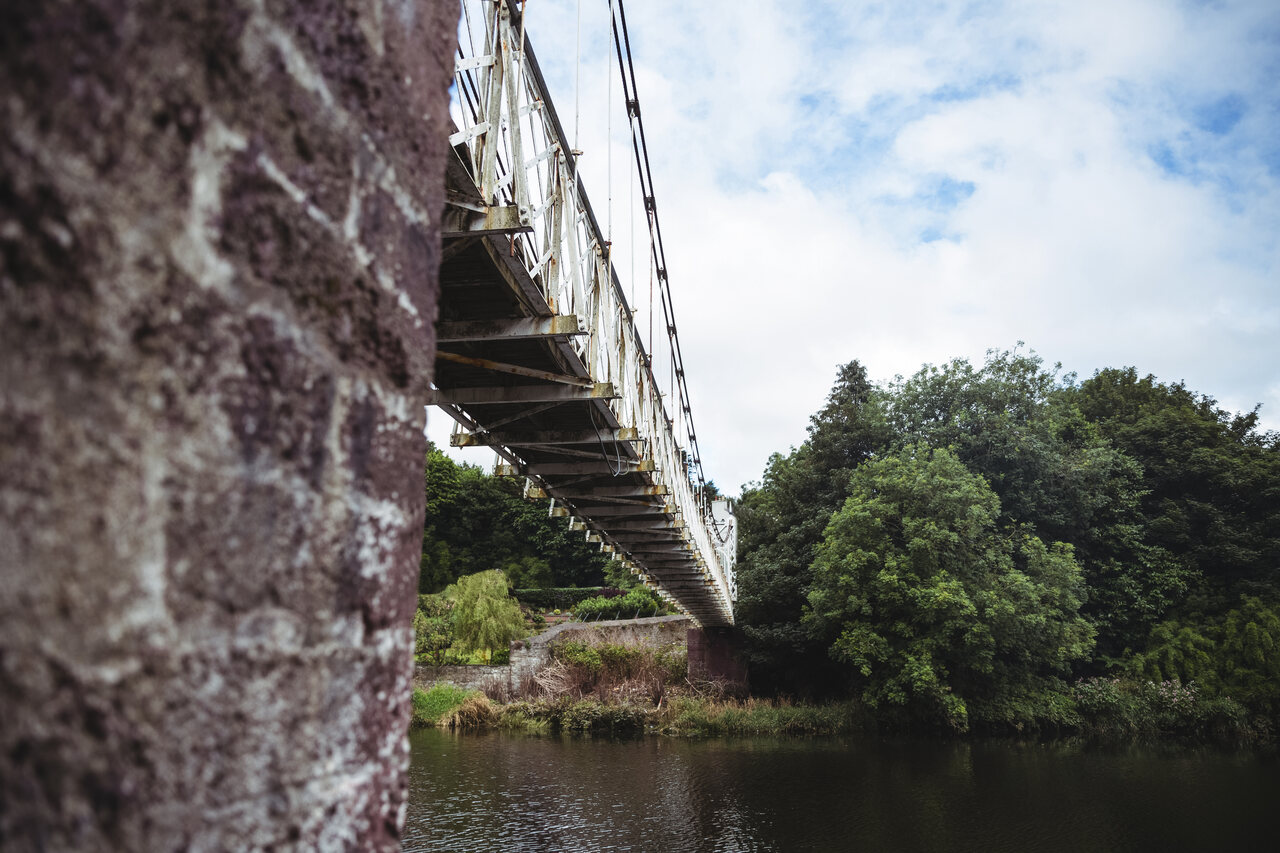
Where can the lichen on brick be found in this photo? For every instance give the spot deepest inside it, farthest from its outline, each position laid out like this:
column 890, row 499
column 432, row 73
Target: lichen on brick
column 217, row 276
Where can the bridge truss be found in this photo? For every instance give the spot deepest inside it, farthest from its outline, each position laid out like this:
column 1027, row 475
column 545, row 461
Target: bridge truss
column 539, row 357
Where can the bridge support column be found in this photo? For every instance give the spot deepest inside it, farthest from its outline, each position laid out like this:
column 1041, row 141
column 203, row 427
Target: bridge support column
column 219, row 237
column 716, row 654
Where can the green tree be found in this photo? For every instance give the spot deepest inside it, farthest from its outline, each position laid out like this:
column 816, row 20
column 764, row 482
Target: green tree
column 1210, row 480
column 942, row 613
column 1019, row 426
column 780, row 522
column 476, row 522
column 1250, row 655
column 528, row 572
column 1236, row 654
column 433, row 628
column 485, row 616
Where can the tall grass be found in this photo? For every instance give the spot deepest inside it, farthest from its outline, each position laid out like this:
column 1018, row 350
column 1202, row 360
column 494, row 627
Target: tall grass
column 475, row 712
column 703, row 717
column 614, row 669
column 429, row 706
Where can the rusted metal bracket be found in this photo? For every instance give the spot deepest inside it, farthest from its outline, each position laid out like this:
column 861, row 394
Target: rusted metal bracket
column 545, row 438
column 464, row 221
column 519, row 394
column 515, row 369
column 561, row 325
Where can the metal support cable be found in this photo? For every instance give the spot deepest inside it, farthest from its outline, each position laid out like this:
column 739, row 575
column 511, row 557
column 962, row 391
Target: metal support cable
column 626, row 66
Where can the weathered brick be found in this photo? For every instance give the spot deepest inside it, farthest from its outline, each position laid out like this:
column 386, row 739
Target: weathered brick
column 218, row 250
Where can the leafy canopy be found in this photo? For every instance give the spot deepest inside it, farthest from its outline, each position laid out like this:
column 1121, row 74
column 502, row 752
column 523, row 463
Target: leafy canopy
column 941, row 611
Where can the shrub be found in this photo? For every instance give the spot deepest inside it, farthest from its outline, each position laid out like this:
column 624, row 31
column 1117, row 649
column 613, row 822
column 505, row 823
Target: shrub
column 578, row 653
column 591, row 715
column 433, row 625
column 1115, row 706
column 674, row 663
column 577, row 716
column 562, row 598
column 636, row 603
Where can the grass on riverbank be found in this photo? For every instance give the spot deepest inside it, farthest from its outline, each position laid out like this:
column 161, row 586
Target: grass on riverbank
column 610, row 685
column 1116, row 713
column 709, row 718
column 439, row 703
column 446, row 706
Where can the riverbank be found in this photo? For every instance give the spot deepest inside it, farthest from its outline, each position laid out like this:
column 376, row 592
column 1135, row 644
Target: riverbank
column 694, row 715
column 448, row 707
column 634, row 678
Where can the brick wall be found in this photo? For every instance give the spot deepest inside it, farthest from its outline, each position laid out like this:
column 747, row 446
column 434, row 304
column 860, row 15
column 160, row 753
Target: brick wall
column 218, row 253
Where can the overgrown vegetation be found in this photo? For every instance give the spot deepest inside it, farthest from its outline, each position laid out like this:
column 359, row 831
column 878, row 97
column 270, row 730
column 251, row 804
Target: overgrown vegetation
column 981, row 547
column 433, row 705
column 562, row 598
column 973, row 548
column 476, row 522
column 707, row 718
column 473, row 621
column 635, row 604
column 614, row 670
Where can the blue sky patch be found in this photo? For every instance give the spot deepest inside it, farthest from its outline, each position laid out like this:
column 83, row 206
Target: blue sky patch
column 1162, row 155
column 1221, row 116
column 943, row 193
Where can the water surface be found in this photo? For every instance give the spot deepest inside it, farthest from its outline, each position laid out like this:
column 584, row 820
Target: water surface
column 503, row 792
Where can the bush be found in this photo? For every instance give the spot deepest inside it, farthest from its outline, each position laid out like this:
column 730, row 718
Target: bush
column 577, row 716
column 612, row 670
column 636, row 603
column 578, row 653
column 562, row 598
column 1115, row 706
column 433, row 629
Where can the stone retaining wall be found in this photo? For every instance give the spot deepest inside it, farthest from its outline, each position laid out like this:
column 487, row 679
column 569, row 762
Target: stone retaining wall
column 530, row 656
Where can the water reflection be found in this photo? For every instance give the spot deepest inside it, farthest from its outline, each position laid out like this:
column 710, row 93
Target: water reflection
column 504, row 792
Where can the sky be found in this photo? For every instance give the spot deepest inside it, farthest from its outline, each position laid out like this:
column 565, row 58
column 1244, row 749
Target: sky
column 905, row 183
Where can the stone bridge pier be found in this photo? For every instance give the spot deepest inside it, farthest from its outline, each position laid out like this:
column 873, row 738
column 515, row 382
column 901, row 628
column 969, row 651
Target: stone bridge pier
column 219, row 243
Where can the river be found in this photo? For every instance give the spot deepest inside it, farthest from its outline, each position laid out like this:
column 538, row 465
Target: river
column 504, row 792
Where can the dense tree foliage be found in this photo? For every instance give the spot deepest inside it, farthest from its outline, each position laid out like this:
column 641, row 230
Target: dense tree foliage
column 781, row 521
column 957, row 541
column 433, row 628
column 476, row 522
column 1210, row 479
column 938, row 607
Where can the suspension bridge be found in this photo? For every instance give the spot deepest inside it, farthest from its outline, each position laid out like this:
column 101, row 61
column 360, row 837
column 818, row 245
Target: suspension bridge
column 539, row 355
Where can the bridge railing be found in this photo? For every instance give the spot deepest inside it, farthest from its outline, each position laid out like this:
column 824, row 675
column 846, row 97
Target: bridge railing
column 526, row 177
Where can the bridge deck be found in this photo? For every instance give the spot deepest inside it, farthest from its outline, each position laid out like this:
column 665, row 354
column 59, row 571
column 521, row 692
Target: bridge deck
column 538, row 356
column 563, row 436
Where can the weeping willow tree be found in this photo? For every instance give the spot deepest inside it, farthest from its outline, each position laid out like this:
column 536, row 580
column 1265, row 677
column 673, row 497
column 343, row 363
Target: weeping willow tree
column 485, row 616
